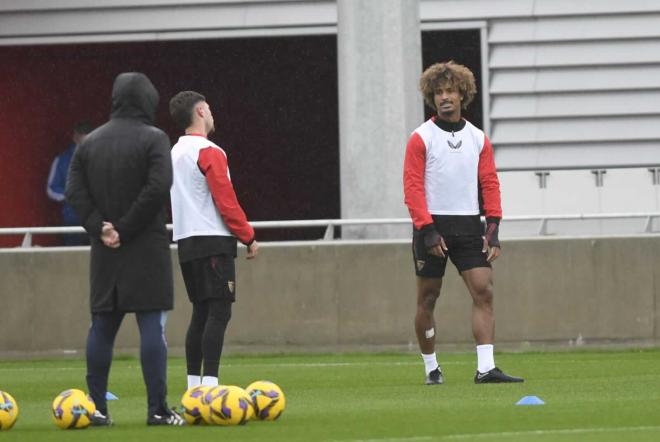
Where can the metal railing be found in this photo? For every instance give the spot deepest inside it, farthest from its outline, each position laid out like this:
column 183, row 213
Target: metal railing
column 330, row 224
column 543, row 219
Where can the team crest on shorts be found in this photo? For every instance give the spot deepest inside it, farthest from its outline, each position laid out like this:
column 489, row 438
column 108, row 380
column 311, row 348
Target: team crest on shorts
column 420, row 264
column 231, row 285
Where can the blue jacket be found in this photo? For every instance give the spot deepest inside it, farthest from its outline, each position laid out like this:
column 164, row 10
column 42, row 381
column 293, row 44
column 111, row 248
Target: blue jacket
column 57, row 184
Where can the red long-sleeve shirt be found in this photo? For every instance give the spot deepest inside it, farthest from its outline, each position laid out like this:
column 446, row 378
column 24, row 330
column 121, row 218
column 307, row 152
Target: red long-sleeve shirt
column 445, row 171
column 213, row 164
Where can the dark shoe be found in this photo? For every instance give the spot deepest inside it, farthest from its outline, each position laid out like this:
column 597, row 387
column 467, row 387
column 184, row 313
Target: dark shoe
column 171, row 417
column 99, row 419
column 435, row 377
column 495, row 376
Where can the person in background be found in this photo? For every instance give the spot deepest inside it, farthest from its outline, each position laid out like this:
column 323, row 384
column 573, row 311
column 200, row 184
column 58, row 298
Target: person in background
column 57, row 182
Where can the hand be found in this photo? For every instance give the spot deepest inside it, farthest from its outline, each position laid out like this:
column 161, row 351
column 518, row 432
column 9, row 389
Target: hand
column 110, row 236
column 439, row 249
column 433, row 241
column 252, row 250
column 491, row 241
column 493, row 251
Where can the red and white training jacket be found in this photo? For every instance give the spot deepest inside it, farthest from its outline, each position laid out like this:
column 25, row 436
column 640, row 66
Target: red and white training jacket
column 444, row 173
column 203, row 199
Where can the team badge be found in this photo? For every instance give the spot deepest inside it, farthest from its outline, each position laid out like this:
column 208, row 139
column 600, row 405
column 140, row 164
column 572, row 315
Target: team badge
column 231, row 285
column 420, row 264
column 455, row 146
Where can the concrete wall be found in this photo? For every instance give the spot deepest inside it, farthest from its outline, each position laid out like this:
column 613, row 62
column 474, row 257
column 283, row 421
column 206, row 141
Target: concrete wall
column 361, row 296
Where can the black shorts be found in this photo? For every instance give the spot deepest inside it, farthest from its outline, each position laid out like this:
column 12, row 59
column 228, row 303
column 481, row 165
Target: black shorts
column 210, row 277
column 465, row 251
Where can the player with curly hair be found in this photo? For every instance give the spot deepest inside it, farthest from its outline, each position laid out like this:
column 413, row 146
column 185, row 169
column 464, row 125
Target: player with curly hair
column 449, row 182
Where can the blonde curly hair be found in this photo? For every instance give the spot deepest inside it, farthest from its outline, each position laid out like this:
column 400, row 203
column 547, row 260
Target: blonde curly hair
column 448, row 74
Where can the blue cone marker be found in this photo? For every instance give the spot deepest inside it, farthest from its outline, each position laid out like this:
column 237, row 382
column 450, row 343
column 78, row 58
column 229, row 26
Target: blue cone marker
column 530, row 400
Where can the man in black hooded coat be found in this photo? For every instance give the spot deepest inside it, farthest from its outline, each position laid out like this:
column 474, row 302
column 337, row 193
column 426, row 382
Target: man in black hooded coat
column 119, row 184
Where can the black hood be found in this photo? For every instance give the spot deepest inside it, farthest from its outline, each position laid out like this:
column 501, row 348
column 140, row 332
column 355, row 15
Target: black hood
column 135, row 97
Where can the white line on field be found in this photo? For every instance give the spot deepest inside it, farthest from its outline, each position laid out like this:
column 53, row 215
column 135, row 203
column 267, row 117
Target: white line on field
column 263, row 365
column 507, row 434
column 336, row 364
column 546, row 432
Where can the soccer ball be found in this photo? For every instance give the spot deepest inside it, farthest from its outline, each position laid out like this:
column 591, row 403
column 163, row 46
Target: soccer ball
column 229, row 405
column 195, row 412
column 268, row 398
column 8, row 411
column 72, row 409
column 210, row 394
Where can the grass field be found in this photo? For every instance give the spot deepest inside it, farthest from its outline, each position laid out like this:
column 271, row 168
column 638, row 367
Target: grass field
column 589, row 395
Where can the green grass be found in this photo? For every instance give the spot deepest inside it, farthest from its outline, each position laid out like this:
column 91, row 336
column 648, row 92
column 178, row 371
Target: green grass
column 589, row 395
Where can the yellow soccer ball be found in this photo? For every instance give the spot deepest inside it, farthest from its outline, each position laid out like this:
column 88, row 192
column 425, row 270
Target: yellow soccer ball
column 209, row 395
column 195, row 412
column 229, row 405
column 72, row 409
column 8, row 411
column 268, row 399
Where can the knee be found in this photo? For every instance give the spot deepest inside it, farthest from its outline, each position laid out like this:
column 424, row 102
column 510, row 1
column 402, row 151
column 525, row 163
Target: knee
column 220, row 311
column 427, row 299
column 483, row 296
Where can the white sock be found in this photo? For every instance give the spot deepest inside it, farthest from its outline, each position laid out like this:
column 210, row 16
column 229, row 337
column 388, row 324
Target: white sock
column 430, row 362
column 485, row 358
column 194, row 381
column 209, row 381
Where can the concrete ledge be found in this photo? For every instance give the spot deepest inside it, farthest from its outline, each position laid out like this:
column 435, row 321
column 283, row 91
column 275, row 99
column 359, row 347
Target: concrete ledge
column 330, row 296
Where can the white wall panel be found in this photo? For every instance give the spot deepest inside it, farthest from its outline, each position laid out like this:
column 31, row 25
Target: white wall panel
column 45, row 5
column 574, row 154
column 574, row 28
column 576, row 83
column 594, row 7
column 565, row 79
column 442, row 10
column 575, row 192
column 564, row 130
column 574, row 104
column 566, row 192
column 628, row 190
column 30, row 22
column 562, row 54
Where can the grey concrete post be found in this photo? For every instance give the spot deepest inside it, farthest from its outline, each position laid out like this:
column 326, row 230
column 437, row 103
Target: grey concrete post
column 379, row 65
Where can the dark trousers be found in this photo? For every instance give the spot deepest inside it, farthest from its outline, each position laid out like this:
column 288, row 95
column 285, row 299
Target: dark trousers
column 153, row 356
column 206, row 335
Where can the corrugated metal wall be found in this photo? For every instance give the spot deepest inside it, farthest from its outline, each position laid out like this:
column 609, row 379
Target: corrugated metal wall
column 568, row 89
column 572, row 83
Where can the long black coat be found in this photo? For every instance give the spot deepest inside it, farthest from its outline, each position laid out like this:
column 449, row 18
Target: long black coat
column 122, row 173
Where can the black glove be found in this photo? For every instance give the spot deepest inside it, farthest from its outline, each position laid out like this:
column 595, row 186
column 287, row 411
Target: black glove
column 431, row 236
column 492, row 230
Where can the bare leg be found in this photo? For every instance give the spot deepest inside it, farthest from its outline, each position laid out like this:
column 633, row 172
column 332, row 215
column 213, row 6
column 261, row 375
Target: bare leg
column 428, row 291
column 479, row 282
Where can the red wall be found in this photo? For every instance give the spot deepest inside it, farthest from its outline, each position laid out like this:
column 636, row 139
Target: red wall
column 274, row 102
